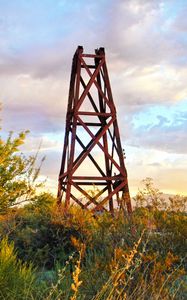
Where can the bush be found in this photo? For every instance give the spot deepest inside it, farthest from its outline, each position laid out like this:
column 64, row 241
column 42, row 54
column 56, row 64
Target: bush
column 16, row 279
column 18, row 173
column 38, row 236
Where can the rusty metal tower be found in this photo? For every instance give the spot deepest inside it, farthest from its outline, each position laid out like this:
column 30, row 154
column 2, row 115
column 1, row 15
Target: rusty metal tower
column 92, row 156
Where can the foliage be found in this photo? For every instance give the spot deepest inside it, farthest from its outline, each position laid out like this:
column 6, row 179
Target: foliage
column 150, row 196
column 16, row 279
column 76, row 282
column 18, row 174
column 53, row 238
column 177, row 203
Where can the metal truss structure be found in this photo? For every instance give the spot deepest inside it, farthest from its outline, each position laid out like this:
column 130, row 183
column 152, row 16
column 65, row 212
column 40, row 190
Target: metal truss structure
column 92, row 172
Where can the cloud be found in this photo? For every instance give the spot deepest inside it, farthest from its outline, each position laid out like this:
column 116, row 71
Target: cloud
column 38, row 105
column 167, row 169
column 180, row 23
column 166, row 135
column 141, row 30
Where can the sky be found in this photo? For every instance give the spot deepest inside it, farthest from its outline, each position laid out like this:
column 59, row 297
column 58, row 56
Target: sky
column 146, row 52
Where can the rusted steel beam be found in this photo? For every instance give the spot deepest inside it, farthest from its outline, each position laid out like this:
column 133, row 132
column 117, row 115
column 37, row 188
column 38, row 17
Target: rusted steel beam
column 92, row 183
column 89, row 130
column 89, row 113
column 102, row 203
column 75, row 199
column 107, row 178
column 101, row 146
column 89, row 96
column 92, row 55
column 89, row 66
column 98, row 87
column 97, row 196
column 90, row 124
column 90, row 156
column 91, row 199
column 85, row 92
column 95, row 141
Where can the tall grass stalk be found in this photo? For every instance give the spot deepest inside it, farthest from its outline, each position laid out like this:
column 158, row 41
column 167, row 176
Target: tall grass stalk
column 55, row 291
column 110, row 289
column 76, row 282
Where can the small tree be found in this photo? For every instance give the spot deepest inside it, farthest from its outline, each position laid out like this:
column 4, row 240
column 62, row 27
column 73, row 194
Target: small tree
column 177, row 203
column 150, row 196
column 18, row 174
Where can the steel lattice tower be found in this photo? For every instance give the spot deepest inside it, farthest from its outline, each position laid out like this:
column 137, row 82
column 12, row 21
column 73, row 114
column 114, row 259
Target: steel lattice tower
column 92, row 154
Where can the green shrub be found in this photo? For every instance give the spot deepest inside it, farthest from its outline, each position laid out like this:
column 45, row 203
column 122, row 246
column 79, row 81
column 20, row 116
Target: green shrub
column 38, row 237
column 16, row 279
